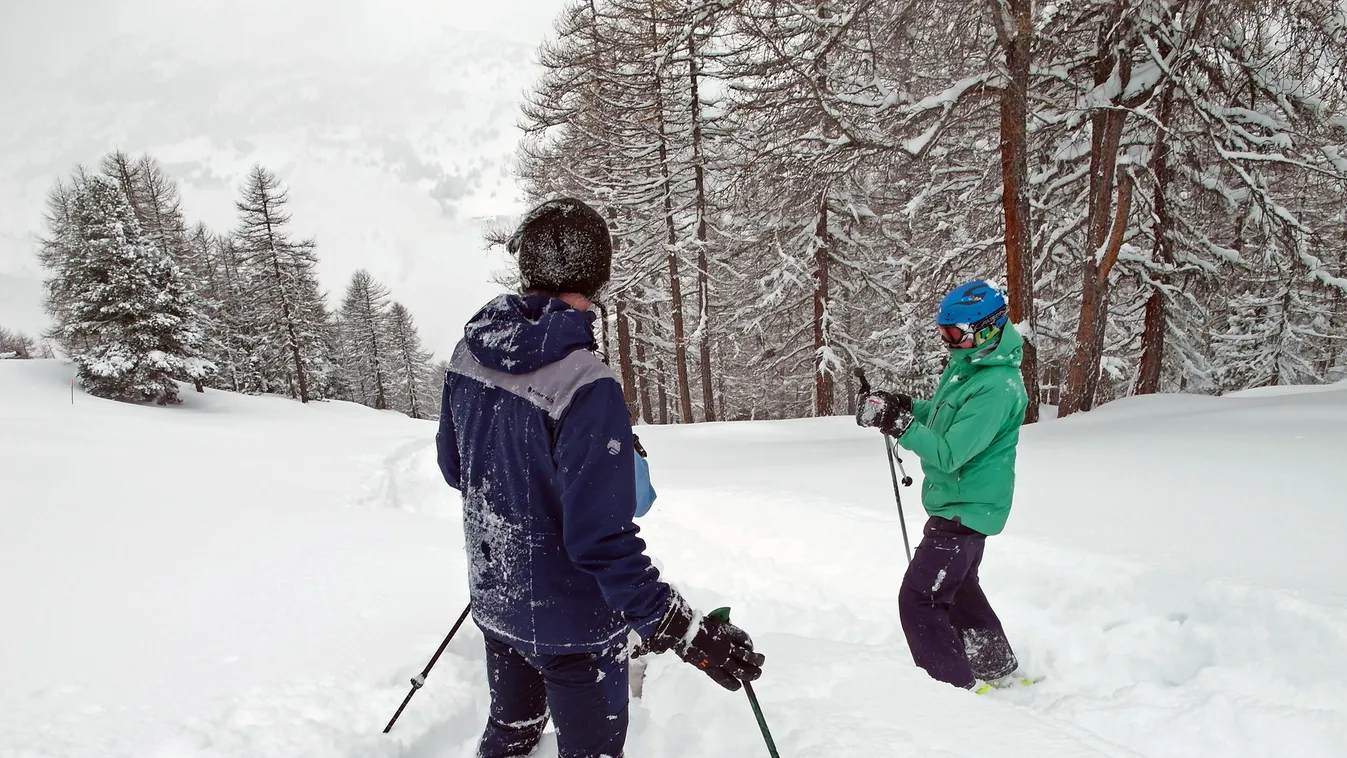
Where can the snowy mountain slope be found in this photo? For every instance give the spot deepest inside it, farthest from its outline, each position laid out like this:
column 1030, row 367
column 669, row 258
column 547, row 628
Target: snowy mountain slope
column 392, row 127
column 252, row 577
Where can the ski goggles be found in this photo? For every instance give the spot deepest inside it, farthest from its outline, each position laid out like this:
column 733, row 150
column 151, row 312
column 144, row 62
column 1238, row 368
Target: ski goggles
column 957, row 336
column 965, row 336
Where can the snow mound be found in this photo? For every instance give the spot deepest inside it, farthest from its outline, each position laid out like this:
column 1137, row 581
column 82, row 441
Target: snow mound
column 249, row 576
column 1305, row 389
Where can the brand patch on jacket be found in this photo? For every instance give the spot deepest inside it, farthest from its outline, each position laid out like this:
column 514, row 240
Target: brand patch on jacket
column 614, row 447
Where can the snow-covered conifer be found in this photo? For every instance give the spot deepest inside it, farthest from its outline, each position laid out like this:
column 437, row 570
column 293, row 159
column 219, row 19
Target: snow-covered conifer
column 366, row 353
column 415, row 392
column 281, row 274
column 124, row 317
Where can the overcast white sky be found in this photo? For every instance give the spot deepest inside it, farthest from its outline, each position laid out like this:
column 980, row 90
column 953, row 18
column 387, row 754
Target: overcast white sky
column 57, row 109
column 47, row 30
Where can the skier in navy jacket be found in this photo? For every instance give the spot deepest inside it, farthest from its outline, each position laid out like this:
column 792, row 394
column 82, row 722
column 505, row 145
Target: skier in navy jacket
column 534, row 433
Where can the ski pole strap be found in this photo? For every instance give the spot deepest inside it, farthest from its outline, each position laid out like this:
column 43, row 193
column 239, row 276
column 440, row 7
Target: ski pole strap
column 893, row 452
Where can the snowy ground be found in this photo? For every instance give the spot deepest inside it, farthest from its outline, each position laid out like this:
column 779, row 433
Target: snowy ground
column 251, row 577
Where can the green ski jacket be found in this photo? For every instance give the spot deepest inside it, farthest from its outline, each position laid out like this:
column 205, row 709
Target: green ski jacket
column 966, row 435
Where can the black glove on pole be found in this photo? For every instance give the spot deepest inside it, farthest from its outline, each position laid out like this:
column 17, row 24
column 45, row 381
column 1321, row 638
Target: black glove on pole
column 717, row 647
column 419, row 681
column 891, row 456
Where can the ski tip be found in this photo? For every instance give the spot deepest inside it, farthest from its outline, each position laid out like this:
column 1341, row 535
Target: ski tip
column 1006, row 682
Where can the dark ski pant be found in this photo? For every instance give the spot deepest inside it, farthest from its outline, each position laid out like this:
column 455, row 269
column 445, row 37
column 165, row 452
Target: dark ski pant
column 951, row 628
column 586, row 693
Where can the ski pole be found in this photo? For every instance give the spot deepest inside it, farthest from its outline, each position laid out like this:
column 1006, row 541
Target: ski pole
column 419, row 681
column 723, row 614
column 897, row 493
column 762, row 722
column 893, row 474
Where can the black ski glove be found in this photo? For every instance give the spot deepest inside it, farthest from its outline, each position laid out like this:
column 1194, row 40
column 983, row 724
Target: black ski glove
column 888, row 412
column 721, row 649
column 636, row 445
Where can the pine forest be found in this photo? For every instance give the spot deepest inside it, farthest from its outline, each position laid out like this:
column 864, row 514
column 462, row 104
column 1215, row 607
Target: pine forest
column 792, row 187
column 141, row 300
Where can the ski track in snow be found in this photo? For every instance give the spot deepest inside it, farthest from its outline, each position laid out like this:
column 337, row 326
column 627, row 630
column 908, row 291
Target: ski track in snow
column 249, row 577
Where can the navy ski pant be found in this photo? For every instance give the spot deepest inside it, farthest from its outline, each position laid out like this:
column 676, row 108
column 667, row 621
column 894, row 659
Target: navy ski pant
column 586, row 693
column 950, row 627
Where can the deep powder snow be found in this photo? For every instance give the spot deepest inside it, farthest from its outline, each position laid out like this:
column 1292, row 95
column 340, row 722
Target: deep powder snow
column 253, row 577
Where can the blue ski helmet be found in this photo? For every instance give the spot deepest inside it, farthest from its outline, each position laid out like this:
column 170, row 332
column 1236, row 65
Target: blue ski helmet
column 972, row 315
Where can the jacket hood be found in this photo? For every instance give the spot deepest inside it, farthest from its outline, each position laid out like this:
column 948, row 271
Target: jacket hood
column 519, row 335
column 1008, row 351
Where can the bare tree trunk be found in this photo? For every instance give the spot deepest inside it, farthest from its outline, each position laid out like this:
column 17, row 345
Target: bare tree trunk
column 643, row 374
column 624, row 362
column 1017, row 43
column 823, row 380
column 1162, row 254
column 699, row 184
column 1082, row 379
column 293, row 338
column 1094, row 311
column 380, row 399
column 285, row 307
column 675, row 286
column 603, row 336
column 663, row 392
column 720, row 395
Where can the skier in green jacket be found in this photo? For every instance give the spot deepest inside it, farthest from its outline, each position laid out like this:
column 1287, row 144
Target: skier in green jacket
column 966, row 437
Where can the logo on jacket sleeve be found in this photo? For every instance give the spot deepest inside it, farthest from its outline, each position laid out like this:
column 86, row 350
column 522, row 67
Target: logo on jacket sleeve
column 614, row 447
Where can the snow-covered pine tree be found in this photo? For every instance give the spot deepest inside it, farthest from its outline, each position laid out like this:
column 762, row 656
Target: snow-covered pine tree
column 439, row 372
column 803, row 108
column 1276, row 332
column 59, row 243
column 1171, row 145
column 124, row 318
column 17, row 345
column 242, row 334
column 124, row 169
column 155, row 198
column 415, row 392
column 157, row 203
column 222, row 301
column 617, row 119
column 366, row 354
column 286, row 300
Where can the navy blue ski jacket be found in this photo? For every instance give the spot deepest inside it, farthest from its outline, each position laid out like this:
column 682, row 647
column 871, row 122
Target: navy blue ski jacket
column 534, row 433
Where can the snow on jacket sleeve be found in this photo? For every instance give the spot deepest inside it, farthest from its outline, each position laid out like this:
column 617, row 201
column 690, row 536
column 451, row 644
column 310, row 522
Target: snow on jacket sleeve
column 975, row 425
column 593, row 454
column 446, row 443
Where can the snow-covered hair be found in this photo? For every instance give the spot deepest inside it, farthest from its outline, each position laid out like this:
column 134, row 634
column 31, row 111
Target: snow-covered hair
column 563, row 246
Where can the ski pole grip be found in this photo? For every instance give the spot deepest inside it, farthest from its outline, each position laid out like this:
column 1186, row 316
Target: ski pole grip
column 861, row 380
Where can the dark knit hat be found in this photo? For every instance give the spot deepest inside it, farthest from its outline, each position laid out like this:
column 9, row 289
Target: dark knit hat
column 563, row 246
